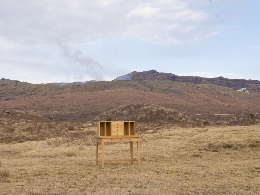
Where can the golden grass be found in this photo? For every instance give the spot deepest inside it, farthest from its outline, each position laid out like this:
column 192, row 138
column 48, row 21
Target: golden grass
column 210, row 160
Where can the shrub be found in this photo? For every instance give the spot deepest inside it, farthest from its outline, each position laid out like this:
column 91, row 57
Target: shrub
column 71, row 128
column 4, row 174
column 206, row 123
column 253, row 122
column 70, row 154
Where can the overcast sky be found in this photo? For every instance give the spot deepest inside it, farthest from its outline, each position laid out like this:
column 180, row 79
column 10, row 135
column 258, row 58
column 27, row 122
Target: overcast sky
column 65, row 41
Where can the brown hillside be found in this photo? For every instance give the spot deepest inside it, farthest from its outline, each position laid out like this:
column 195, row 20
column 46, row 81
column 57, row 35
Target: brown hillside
column 200, row 103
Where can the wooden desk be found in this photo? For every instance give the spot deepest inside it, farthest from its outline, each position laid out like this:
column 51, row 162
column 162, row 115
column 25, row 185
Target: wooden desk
column 131, row 139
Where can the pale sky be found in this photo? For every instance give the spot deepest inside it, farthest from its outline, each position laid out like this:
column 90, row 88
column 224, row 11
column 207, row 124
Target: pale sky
column 78, row 40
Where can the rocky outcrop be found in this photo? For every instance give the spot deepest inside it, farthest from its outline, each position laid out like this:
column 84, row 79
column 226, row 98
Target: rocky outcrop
column 251, row 85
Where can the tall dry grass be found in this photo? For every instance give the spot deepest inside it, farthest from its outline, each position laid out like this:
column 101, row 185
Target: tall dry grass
column 209, row 160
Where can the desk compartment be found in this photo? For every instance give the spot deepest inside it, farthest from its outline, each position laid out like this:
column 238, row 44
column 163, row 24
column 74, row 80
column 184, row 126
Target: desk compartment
column 116, row 128
column 104, row 129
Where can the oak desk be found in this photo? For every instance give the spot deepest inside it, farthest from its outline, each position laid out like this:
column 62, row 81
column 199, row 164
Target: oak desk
column 131, row 139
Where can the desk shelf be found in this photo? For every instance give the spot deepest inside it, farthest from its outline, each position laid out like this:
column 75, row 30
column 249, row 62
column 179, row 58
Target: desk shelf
column 116, row 128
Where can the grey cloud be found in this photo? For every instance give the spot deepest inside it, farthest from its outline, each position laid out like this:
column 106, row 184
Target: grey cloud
column 172, row 21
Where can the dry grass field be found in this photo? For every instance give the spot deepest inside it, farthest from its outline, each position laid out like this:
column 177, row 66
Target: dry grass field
column 205, row 160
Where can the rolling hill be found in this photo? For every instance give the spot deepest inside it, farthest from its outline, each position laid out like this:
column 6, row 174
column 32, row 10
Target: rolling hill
column 149, row 97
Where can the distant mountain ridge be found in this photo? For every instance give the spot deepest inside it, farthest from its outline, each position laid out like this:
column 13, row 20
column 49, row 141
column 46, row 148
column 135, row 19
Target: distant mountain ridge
column 236, row 84
column 251, row 85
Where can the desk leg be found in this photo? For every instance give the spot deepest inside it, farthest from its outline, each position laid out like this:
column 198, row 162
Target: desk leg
column 131, row 151
column 103, row 160
column 96, row 153
column 138, row 148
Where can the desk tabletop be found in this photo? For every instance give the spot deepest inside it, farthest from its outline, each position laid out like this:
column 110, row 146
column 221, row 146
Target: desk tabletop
column 118, row 138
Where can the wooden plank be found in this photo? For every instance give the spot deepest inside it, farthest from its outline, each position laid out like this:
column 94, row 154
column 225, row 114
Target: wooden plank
column 121, row 140
column 103, row 155
column 96, row 153
column 119, row 160
column 117, row 137
column 131, row 152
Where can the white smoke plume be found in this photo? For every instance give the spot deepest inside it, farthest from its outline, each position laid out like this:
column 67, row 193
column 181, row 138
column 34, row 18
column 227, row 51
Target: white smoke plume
column 91, row 66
